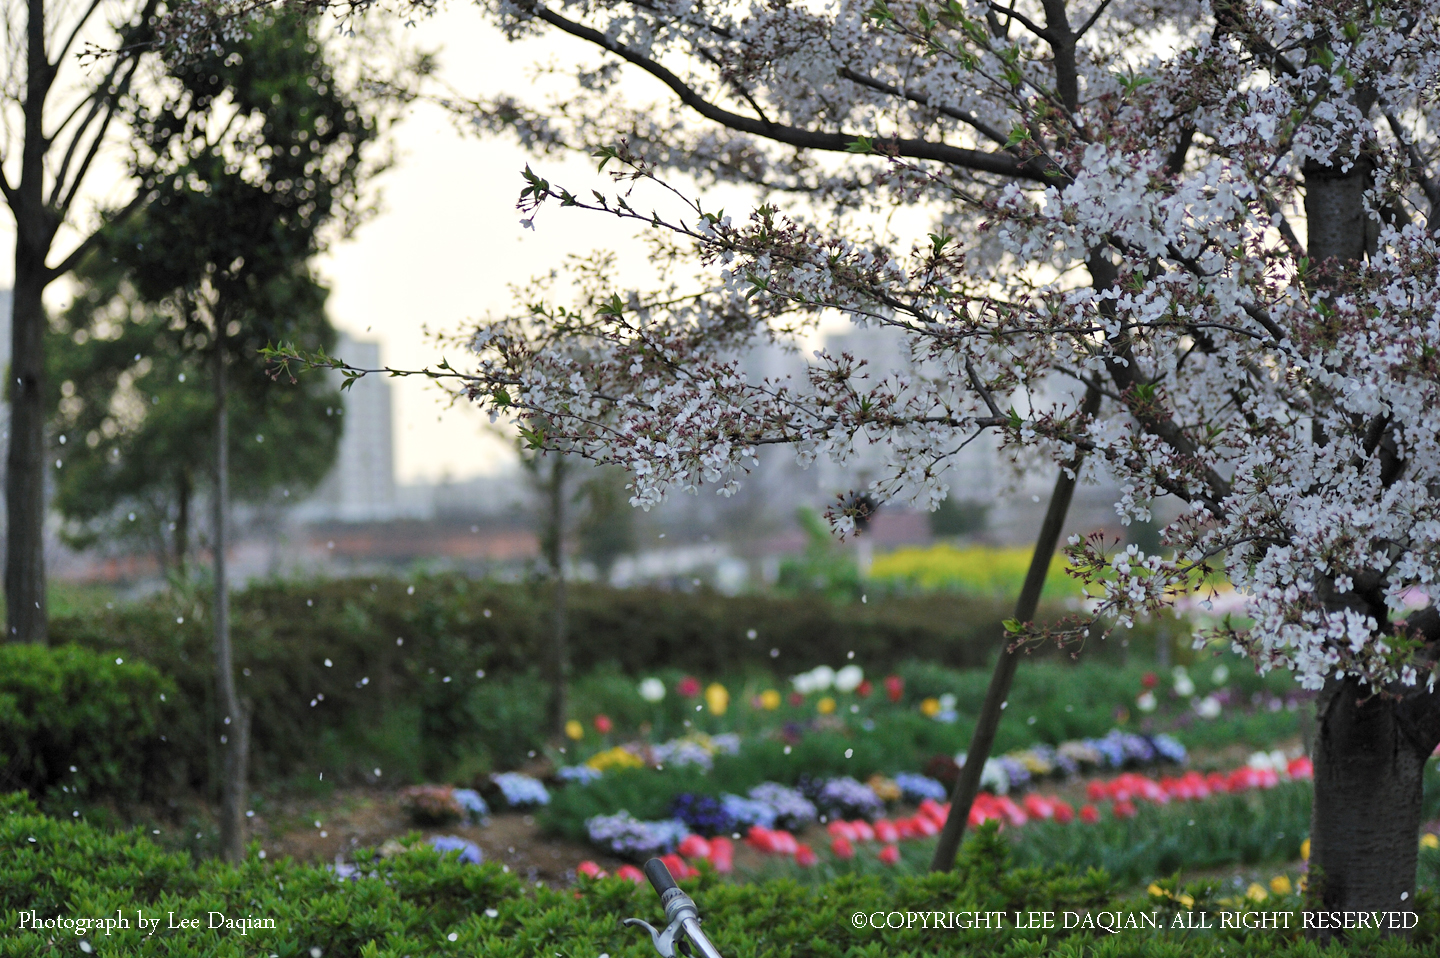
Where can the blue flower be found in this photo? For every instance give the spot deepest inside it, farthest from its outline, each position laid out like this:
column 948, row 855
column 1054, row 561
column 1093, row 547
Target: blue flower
column 917, row 788
column 579, row 774
column 470, row 853
column 747, row 811
column 624, row 834
column 1169, row 749
column 470, row 800
column 521, row 791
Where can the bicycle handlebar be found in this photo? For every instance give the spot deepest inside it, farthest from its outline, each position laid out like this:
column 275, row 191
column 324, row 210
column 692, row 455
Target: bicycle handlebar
column 683, row 919
column 660, row 878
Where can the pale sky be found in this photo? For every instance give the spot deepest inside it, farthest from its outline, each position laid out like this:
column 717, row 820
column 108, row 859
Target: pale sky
column 447, row 242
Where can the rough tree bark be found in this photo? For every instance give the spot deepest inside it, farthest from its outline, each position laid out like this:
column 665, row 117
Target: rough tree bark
column 25, row 459
column 1370, row 753
column 1370, row 745
column 234, row 714
column 63, row 155
column 35, row 224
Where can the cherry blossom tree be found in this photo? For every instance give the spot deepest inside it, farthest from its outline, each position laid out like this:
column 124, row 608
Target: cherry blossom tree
column 1185, row 247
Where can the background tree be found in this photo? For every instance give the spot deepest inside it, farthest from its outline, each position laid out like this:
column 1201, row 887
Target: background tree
column 135, row 419
column 605, row 530
column 59, row 115
column 272, row 153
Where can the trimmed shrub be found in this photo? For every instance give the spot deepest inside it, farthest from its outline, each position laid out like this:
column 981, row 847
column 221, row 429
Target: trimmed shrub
column 426, row 905
column 81, row 721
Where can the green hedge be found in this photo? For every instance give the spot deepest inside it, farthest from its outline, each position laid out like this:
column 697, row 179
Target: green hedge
column 423, row 906
column 81, row 721
column 403, row 690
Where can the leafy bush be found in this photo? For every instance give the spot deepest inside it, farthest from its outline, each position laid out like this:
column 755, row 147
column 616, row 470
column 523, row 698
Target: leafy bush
column 350, row 675
column 81, row 721
column 426, row 905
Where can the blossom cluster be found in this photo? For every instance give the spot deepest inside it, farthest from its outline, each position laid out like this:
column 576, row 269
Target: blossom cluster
column 1112, row 280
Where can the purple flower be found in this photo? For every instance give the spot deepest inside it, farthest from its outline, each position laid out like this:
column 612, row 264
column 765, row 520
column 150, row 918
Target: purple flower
column 703, row 814
column 847, row 798
column 793, row 811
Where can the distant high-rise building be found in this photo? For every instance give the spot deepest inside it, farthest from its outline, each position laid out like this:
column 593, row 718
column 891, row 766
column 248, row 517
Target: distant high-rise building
column 361, row 485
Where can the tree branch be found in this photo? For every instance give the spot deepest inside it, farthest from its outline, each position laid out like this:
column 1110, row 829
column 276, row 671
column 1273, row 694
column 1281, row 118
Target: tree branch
column 976, row 160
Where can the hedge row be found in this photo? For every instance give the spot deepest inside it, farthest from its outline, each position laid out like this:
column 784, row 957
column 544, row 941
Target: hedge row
column 343, row 670
column 422, row 906
column 81, row 721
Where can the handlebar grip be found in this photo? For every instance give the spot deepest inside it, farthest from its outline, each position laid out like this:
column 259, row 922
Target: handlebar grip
column 659, row 876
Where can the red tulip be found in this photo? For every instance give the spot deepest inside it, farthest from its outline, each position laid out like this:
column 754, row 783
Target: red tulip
column 630, row 873
column 1089, row 814
column 894, row 687
column 886, row 832
column 841, row 847
column 805, row 856
column 797, row 699
column 864, row 689
column 1123, row 808
column 722, row 854
column 589, row 869
column 678, row 869
column 695, row 847
column 689, row 687
column 603, row 725
column 1149, row 680
column 890, row 855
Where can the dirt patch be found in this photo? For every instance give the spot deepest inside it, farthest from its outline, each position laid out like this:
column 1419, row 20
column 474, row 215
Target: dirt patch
column 314, row 831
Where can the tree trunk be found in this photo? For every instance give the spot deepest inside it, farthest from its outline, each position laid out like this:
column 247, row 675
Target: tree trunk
column 1365, row 820
column 234, row 715
column 988, row 722
column 180, row 542
column 26, row 459
column 555, row 557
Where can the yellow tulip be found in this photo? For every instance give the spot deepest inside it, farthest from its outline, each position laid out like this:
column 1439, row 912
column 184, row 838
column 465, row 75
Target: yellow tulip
column 1185, row 900
column 1256, row 892
column 616, row 757
column 1280, row 885
column 574, row 730
column 1157, row 891
column 825, row 706
column 1305, row 850
column 930, row 708
column 1430, row 841
column 717, row 699
column 770, row 700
